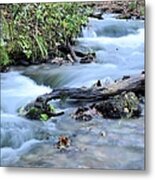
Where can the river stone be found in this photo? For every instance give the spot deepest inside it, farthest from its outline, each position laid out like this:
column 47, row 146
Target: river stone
column 126, row 105
column 87, row 59
column 82, row 114
column 34, row 111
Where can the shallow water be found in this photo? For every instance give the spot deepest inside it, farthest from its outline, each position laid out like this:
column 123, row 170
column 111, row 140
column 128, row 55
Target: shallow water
column 100, row 143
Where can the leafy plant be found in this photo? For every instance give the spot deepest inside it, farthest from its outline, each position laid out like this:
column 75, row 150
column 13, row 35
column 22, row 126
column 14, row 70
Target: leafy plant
column 142, row 11
column 36, row 29
column 52, row 108
column 4, row 59
column 133, row 5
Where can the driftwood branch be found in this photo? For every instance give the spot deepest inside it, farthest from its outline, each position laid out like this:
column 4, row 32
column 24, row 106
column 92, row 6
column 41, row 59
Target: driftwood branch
column 72, row 53
column 134, row 83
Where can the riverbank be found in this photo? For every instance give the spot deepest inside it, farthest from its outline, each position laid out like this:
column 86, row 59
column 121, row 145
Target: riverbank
column 83, row 136
column 59, row 49
column 31, row 34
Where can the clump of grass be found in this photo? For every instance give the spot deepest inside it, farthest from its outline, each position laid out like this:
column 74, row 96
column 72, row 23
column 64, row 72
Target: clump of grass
column 4, row 58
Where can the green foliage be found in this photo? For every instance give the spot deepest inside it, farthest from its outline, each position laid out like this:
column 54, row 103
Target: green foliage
column 36, row 29
column 24, row 46
column 133, row 5
column 52, row 108
column 4, row 59
column 44, row 117
column 142, row 11
column 41, row 43
column 42, row 113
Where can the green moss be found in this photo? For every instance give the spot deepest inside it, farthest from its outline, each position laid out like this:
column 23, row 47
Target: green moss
column 44, row 117
column 33, row 113
column 123, row 106
column 42, row 112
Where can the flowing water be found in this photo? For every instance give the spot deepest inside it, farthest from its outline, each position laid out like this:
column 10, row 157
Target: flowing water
column 100, row 143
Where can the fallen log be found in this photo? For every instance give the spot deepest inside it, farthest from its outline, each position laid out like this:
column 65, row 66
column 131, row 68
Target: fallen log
column 135, row 84
column 115, row 101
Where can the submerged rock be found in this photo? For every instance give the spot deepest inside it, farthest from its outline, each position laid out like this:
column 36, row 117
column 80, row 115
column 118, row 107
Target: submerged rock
column 39, row 111
column 87, row 59
column 126, row 105
column 82, row 114
column 33, row 113
column 97, row 14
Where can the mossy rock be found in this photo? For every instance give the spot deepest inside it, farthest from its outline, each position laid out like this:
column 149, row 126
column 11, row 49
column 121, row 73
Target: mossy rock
column 36, row 113
column 33, row 113
column 126, row 105
column 82, row 114
column 29, row 112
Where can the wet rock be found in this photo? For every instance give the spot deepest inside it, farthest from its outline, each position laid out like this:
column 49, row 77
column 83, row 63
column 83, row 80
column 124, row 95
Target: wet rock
column 83, row 53
column 4, row 69
column 125, row 77
column 103, row 133
column 57, row 60
column 141, row 99
column 24, row 63
column 97, row 15
column 142, row 17
column 126, row 105
column 39, row 111
column 143, row 72
column 117, row 10
column 83, row 114
column 61, row 61
column 124, row 16
column 98, row 84
column 87, row 59
column 33, row 113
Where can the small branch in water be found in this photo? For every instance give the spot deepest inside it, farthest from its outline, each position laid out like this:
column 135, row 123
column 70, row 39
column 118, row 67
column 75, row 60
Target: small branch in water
column 72, row 53
column 51, row 114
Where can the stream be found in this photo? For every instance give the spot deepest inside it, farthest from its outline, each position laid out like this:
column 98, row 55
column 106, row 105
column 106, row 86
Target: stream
column 100, row 143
